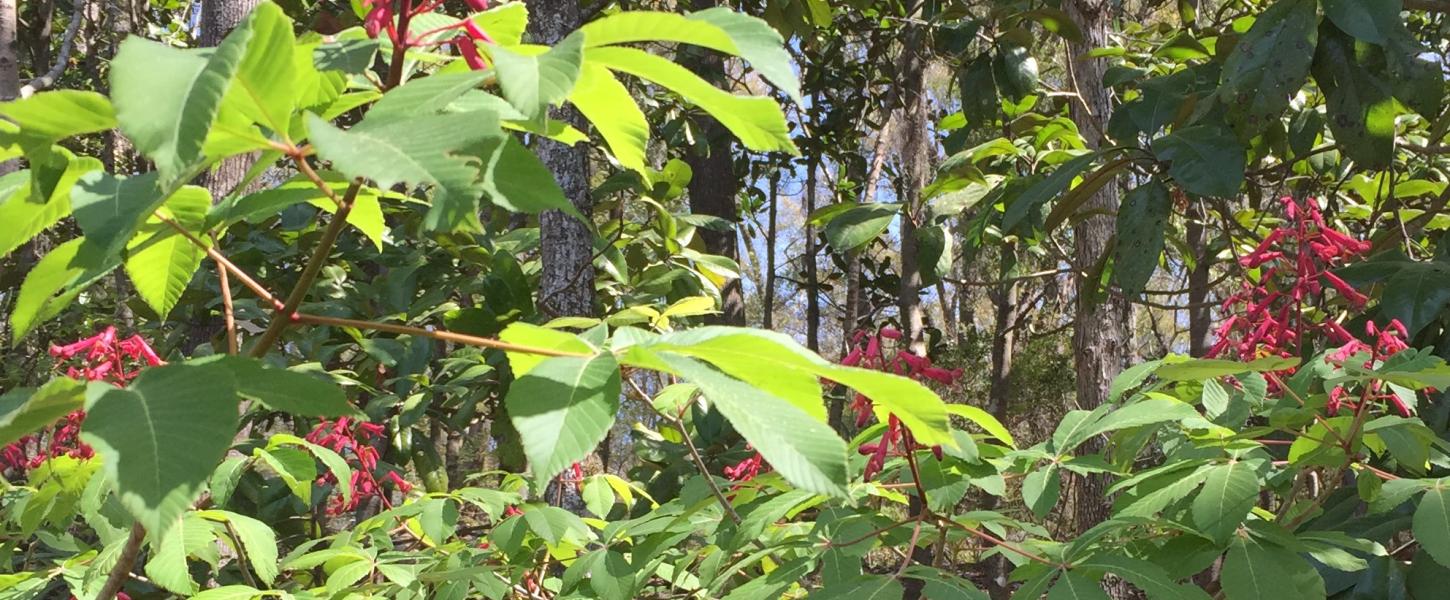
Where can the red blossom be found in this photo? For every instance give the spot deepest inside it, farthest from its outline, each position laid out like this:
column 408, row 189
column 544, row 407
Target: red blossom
column 101, row 357
column 357, row 442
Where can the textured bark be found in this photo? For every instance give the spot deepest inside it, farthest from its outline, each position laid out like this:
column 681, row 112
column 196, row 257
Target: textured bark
column 916, row 165
column 218, row 18
column 713, row 186
column 1198, row 316
column 853, row 317
column 813, row 300
column 1004, row 343
column 767, row 321
column 1100, row 336
column 566, row 283
column 9, row 65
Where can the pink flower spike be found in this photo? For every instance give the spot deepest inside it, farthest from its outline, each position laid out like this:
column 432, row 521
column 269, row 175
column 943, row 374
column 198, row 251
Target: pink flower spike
column 476, row 32
column 470, row 54
column 890, row 333
column 478, row 5
column 377, row 19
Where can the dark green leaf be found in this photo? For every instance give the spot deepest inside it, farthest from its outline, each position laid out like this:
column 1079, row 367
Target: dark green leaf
column 856, row 226
column 162, row 436
column 24, row 411
column 1360, row 107
column 1206, row 160
column 1142, row 220
column 1269, row 65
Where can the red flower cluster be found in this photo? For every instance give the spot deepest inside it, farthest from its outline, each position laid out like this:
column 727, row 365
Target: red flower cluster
column 868, row 351
column 747, row 469
column 355, row 440
column 1269, row 317
column 100, row 357
column 1387, row 342
column 382, row 17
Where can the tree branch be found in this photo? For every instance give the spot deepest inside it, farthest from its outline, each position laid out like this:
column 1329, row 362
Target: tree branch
column 124, row 563
column 67, row 41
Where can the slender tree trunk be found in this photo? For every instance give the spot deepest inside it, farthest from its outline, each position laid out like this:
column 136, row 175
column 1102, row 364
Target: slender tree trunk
column 1100, row 335
column 1198, row 316
column 1004, row 343
column 767, row 321
column 566, row 284
column 813, row 300
column 852, row 320
column 9, row 64
column 916, row 164
column 218, row 18
column 713, row 186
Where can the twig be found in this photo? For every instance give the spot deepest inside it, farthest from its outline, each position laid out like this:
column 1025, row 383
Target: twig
column 1005, row 545
column 287, row 311
column 212, row 253
column 119, row 573
column 62, row 58
column 227, row 313
column 447, row 336
column 694, row 455
column 906, row 560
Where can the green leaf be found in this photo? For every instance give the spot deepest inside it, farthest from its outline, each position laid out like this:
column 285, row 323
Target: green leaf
column 1142, row 220
column 24, row 411
column 24, row 214
column 934, row 253
column 1359, row 104
column 167, row 566
column 55, row 281
column 608, row 105
column 534, row 82
column 719, row 29
column 1138, row 414
column 1147, row 576
column 1373, row 21
column 265, row 88
column 228, row 592
column 784, row 371
column 1045, row 190
column 294, row 467
column 366, row 214
column 1257, row 571
column 49, row 117
column 159, row 260
column 864, row 587
column 598, row 496
column 167, row 98
column 111, row 208
column 516, row 180
column 1215, row 398
column 1076, row 586
column 1205, row 160
column 437, row 150
column 256, row 538
column 162, row 436
column 855, row 227
column 1416, row 294
column 562, row 409
column 1041, row 489
column 526, row 334
column 1268, row 65
column 1229, row 493
column 284, row 390
column 1431, row 524
column 505, row 23
column 983, row 419
column 425, row 96
column 1205, row 368
column 804, row 450
column 757, row 121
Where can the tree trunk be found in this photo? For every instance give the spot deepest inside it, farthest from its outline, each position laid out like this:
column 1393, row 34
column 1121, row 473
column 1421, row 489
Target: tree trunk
column 713, row 185
column 9, row 65
column 813, row 300
column 767, row 320
column 218, row 18
column 1100, row 336
column 566, row 283
column 1004, row 342
column 1198, row 316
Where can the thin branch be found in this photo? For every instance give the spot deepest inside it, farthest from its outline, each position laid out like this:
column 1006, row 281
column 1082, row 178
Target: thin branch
column 694, row 455
column 212, row 253
column 1037, row 275
column 67, row 41
column 124, row 563
column 228, row 314
column 288, row 310
column 444, row 335
column 1005, row 545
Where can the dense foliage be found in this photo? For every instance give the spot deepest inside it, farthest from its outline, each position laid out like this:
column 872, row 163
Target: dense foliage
column 345, row 374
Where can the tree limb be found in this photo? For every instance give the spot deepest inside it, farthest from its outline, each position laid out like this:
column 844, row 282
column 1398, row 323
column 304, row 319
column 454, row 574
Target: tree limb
column 67, row 41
